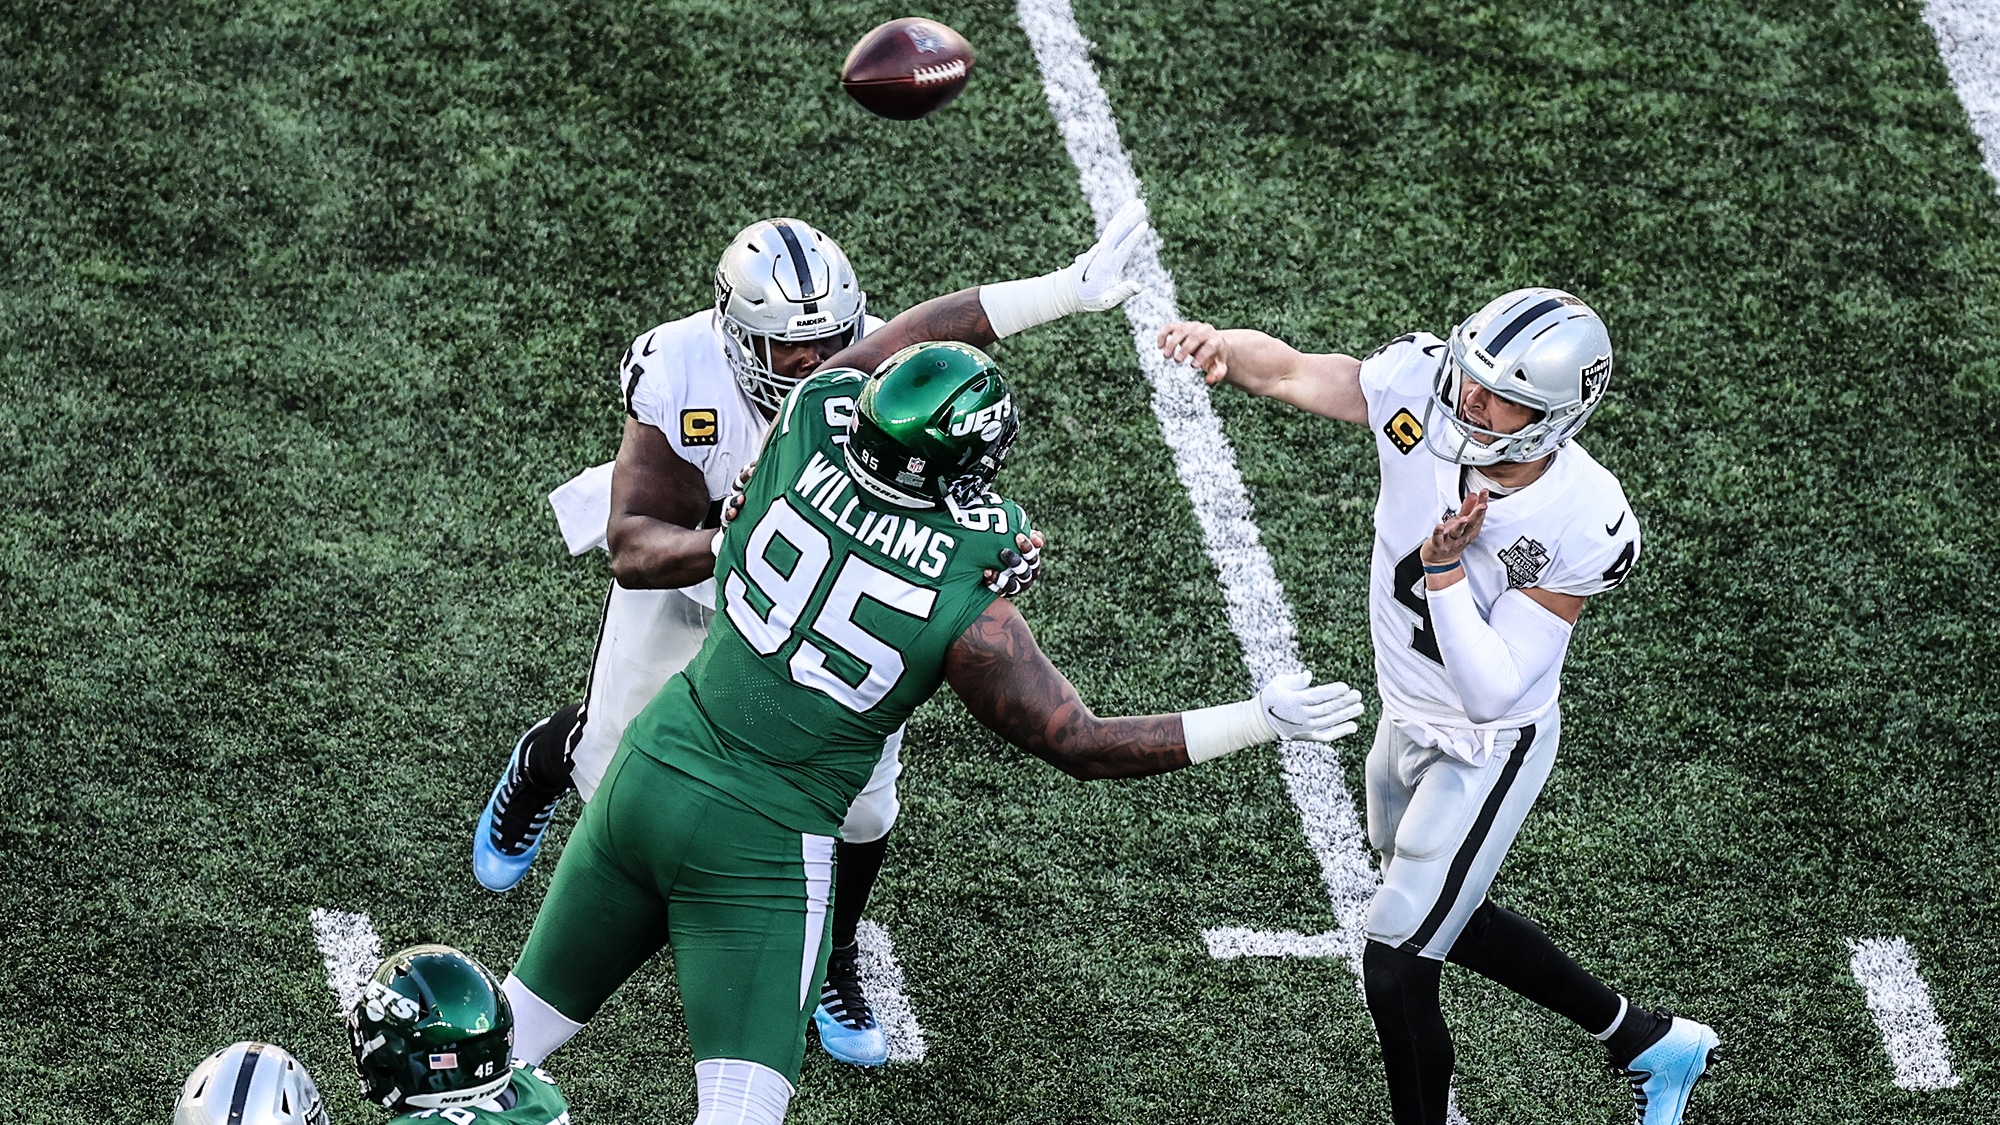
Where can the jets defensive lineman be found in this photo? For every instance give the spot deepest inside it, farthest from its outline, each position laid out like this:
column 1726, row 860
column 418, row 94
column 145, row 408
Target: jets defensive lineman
column 698, row 394
column 852, row 590
column 1492, row 528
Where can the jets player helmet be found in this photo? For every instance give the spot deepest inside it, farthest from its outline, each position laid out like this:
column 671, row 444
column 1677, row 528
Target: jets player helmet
column 249, row 1084
column 932, row 425
column 1539, row 348
column 782, row 280
column 432, row 1029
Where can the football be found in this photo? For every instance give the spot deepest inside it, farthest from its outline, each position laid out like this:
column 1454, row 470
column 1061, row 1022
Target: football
column 907, row 68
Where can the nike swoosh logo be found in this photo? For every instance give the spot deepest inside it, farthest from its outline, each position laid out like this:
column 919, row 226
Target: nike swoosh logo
column 1612, row 527
column 1275, row 720
column 649, row 346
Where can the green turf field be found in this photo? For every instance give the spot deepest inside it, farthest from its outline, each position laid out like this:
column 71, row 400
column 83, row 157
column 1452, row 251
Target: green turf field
column 306, row 306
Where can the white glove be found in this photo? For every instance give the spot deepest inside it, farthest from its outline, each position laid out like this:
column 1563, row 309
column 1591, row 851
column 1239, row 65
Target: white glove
column 1297, row 708
column 1098, row 274
column 1094, row 282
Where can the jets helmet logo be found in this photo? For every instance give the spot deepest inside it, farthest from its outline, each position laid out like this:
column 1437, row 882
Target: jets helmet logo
column 989, row 421
column 383, row 1001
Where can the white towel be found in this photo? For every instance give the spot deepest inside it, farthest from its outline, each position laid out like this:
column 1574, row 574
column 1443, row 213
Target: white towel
column 1472, row 746
column 583, row 508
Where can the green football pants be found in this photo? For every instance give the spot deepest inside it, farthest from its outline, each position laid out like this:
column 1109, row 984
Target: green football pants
column 662, row 858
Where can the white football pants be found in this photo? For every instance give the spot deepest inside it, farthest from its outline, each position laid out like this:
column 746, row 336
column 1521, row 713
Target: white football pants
column 1442, row 827
column 647, row 636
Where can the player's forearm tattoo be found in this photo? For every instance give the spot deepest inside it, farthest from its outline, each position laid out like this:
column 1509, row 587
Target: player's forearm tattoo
column 1008, row 684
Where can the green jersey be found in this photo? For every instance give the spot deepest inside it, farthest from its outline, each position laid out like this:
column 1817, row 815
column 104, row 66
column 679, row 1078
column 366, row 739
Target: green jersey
column 835, row 609
column 531, row 1098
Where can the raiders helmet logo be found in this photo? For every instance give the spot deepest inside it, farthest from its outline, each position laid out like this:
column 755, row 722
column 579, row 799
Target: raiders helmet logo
column 1595, row 375
column 1404, row 431
column 698, row 427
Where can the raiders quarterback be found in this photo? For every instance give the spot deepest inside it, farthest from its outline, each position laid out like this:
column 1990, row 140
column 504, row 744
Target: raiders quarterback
column 699, row 393
column 850, row 590
column 1492, row 528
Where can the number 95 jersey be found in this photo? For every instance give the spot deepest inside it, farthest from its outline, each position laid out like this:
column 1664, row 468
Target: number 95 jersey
column 835, row 613
column 1570, row 531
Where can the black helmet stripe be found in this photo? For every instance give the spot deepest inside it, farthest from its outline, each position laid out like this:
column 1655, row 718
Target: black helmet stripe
column 241, row 1095
column 798, row 252
column 1492, row 347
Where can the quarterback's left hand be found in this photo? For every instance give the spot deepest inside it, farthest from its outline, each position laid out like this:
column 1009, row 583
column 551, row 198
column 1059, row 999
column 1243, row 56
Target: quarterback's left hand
column 1099, row 272
column 1018, row 568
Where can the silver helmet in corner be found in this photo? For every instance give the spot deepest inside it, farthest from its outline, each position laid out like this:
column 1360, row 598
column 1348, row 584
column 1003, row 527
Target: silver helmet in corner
column 250, row 1084
column 782, row 280
column 1540, row 348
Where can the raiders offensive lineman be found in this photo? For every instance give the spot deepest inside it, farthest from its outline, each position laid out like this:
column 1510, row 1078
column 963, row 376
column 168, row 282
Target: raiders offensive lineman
column 699, row 394
column 1492, row 528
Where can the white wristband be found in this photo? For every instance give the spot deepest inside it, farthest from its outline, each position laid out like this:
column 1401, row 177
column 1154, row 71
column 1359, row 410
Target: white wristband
column 1212, row 732
column 1012, row 306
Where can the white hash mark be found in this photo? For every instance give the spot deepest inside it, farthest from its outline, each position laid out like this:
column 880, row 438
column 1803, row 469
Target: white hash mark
column 1900, row 1001
column 882, row 979
column 351, row 949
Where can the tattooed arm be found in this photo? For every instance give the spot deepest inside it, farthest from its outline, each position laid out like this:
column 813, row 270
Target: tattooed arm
column 955, row 316
column 1008, row 684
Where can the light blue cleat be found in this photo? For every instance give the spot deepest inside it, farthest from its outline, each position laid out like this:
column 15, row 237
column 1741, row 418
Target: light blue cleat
column 1664, row 1074
column 847, row 1026
column 511, row 826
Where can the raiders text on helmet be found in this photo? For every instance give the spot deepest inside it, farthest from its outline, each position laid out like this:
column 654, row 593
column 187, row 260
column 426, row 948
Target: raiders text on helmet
column 1540, row 348
column 432, row 1029
column 250, row 1084
column 932, row 425
column 782, row 279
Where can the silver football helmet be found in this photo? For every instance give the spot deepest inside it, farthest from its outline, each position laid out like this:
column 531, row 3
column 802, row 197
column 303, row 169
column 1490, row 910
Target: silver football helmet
column 250, row 1084
column 784, row 280
column 1540, row 348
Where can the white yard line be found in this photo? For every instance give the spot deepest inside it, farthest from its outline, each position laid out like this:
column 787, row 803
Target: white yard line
column 1901, row 1004
column 351, row 949
column 883, row 978
column 1206, row 464
column 1968, row 39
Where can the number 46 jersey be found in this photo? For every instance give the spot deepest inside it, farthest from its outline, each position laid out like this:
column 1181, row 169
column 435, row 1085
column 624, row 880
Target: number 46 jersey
column 835, row 612
column 1571, row 531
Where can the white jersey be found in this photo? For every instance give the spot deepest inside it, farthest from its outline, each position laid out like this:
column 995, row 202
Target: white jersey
column 676, row 379
column 1571, row 531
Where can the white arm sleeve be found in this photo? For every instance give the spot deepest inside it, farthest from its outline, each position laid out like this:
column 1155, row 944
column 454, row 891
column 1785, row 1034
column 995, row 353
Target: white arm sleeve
column 1493, row 664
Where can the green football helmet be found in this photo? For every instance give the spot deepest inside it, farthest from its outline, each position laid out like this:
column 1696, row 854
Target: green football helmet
column 933, row 424
column 432, row 1029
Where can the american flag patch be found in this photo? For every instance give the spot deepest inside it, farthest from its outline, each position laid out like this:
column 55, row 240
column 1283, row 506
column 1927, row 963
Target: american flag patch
column 445, row 1061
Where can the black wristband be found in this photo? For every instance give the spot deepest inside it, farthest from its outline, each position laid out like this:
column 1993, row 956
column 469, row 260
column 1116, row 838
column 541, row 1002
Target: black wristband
column 1445, row 569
